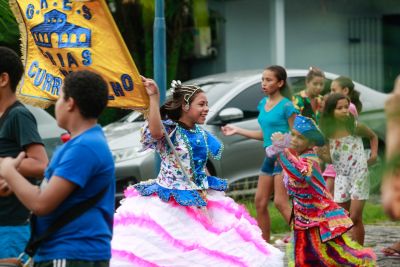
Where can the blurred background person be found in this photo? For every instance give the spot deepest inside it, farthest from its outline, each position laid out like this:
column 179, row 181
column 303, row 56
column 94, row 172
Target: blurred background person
column 391, row 179
column 276, row 114
column 308, row 101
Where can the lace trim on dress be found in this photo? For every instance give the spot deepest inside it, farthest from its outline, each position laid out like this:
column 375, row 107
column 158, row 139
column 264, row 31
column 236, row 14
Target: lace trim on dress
column 182, row 197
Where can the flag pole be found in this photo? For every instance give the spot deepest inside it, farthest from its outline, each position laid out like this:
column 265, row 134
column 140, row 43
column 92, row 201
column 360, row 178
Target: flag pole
column 159, row 46
column 159, row 59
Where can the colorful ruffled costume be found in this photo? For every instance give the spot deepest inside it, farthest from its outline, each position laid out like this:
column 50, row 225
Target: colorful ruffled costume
column 173, row 221
column 319, row 224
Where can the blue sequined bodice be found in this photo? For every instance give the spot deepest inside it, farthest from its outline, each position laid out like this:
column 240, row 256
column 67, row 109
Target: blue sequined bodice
column 193, row 147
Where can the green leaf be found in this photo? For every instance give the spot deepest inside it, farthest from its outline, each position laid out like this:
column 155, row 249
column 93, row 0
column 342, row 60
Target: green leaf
column 9, row 32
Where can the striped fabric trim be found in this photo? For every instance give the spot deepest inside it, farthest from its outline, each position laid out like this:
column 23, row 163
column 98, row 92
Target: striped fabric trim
column 60, row 263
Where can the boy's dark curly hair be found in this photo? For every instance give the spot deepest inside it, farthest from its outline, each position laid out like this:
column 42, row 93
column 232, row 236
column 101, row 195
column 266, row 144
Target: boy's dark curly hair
column 11, row 64
column 89, row 90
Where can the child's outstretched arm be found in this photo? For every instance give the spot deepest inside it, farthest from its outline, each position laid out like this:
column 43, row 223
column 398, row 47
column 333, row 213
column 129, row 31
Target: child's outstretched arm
column 154, row 117
column 364, row 131
column 232, row 130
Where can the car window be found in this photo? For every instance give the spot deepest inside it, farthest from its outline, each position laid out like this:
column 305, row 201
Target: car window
column 247, row 101
column 296, row 84
column 299, row 83
column 215, row 90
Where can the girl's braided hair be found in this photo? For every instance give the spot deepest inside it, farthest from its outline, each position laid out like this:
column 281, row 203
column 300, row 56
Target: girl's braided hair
column 181, row 98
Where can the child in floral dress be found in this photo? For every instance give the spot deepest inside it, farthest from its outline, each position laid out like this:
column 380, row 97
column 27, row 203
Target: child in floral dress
column 346, row 152
column 345, row 86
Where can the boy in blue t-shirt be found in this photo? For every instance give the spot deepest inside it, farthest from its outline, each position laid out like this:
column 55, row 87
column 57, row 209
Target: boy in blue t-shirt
column 79, row 169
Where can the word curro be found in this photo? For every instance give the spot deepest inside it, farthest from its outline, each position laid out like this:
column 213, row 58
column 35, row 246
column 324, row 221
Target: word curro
column 41, row 77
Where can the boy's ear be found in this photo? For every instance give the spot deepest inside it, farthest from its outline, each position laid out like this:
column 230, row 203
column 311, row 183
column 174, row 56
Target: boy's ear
column 70, row 104
column 4, row 79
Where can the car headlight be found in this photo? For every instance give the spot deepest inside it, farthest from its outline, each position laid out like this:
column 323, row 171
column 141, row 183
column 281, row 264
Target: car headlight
column 128, row 153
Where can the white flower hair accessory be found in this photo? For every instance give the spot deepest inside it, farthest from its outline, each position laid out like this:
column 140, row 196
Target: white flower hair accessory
column 175, row 84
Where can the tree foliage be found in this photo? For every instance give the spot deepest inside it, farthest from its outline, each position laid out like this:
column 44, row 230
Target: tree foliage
column 9, row 32
column 135, row 20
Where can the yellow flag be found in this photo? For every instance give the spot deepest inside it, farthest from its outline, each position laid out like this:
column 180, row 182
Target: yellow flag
column 60, row 36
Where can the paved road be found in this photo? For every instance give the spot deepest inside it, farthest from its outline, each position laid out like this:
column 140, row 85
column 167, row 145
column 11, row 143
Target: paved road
column 378, row 237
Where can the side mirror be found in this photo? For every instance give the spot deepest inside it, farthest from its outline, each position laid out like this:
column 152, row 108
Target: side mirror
column 230, row 114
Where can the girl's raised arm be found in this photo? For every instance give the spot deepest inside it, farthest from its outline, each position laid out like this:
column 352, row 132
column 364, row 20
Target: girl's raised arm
column 154, row 117
column 364, row 131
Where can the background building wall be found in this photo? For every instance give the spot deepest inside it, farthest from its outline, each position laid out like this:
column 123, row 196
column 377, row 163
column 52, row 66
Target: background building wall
column 317, row 33
column 248, row 38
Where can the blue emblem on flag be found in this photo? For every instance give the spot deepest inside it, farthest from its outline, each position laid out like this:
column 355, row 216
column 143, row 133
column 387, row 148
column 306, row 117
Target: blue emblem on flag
column 55, row 25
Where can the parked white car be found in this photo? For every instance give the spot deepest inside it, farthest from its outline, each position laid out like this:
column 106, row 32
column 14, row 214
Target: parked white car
column 233, row 98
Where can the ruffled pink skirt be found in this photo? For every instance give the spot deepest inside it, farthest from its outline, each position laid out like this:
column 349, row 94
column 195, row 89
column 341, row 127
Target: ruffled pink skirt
column 150, row 232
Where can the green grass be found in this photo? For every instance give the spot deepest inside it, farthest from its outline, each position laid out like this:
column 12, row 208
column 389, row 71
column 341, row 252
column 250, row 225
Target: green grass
column 278, row 224
column 375, row 177
column 373, row 214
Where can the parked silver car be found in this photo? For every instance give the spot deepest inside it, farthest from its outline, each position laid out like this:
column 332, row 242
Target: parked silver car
column 233, row 98
column 48, row 129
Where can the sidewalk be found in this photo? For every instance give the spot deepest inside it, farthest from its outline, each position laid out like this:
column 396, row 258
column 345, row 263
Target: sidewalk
column 378, row 236
column 381, row 236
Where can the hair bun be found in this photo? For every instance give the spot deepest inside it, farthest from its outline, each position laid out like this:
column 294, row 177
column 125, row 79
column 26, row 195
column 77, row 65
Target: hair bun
column 175, row 84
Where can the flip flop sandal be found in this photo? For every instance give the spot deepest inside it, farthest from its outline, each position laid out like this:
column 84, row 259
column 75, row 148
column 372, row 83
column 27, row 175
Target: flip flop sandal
column 391, row 252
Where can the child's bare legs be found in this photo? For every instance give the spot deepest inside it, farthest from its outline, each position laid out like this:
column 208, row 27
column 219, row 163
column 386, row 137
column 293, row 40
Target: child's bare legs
column 330, row 184
column 356, row 210
column 263, row 194
column 345, row 205
column 281, row 198
column 355, row 207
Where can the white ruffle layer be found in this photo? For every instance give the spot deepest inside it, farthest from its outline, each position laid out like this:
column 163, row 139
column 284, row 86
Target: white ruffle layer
column 150, row 232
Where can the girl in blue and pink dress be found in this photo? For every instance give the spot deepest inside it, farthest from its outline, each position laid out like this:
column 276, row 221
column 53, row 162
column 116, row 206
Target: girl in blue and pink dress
column 183, row 218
